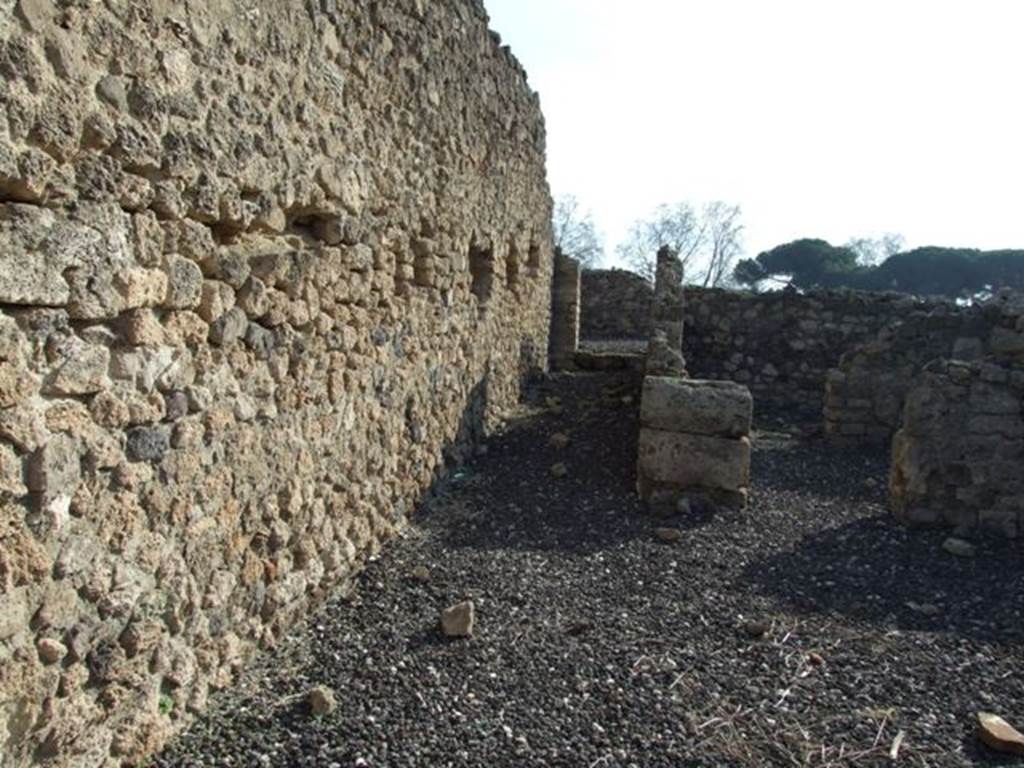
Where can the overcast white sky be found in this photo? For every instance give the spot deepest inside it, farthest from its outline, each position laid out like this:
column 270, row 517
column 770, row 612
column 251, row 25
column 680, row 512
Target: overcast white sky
column 820, row 118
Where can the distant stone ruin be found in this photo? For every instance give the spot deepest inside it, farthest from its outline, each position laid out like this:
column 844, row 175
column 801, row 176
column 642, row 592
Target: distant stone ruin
column 264, row 268
column 942, row 382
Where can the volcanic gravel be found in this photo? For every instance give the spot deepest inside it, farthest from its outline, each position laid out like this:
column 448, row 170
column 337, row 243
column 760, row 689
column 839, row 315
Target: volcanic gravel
column 597, row 644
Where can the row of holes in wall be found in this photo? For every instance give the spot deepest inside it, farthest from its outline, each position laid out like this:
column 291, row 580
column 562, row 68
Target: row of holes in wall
column 481, row 269
column 481, row 258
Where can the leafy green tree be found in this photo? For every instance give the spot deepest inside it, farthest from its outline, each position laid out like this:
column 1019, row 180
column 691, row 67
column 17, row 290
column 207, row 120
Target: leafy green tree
column 951, row 272
column 803, row 263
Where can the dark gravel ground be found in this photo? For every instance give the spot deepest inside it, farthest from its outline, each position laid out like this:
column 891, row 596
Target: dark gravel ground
column 598, row 645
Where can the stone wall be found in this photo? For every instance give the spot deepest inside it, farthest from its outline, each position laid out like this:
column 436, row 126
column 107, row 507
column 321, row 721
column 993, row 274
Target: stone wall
column 261, row 266
column 616, row 304
column 782, row 344
column 864, row 394
column 957, row 458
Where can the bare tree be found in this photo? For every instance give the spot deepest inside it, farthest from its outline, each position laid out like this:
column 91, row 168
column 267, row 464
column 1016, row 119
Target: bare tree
column 725, row 241
column 575, row 234
column 873, row 251
column 893, row 243
column 678, row 226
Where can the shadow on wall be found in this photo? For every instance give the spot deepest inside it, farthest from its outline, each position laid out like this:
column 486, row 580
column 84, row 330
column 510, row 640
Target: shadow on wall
column 473, row 426
column 877, row 571
column 521, row 505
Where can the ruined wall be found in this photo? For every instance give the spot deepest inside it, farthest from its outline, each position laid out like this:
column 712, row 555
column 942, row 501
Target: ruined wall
column 260, row 266
column 864, row 394
column 957, row 458
column 782, row 344
column 615, row 304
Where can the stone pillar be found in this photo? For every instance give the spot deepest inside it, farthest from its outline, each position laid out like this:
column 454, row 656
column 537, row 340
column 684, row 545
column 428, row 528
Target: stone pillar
column 669, row 302
column 694, row 439
column 565, row 312
column 665, row 348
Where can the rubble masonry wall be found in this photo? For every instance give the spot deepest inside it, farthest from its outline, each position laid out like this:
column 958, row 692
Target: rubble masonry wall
column 957, row 458
column 780, row 344
column 864, row 394
column 261, row 266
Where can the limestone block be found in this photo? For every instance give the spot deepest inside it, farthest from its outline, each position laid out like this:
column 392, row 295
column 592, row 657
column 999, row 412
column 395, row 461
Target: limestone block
column 141, row 366
column 683, row 461
column 94, row 294
column 147, row 239
column 253, row 298
column 716, row 408
column 30, row 273
column 142, row 328
column 55, row 467
column 82, row 370
column 184, row 283
column 141, row 287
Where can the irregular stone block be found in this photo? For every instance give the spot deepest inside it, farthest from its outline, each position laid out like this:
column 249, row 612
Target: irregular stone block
column 716, row 408
column 229, row 327
column 12, row 481
column 664, row 359
column 147, row 444
column 260, row 340
column 1006, row 342
column 458, row 620
column 16, row 384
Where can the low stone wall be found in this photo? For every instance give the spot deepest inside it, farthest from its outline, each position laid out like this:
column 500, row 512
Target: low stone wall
column 615, row 304
column 782, row 344
column 864, row 394
column 262, row 266
column 957, row 459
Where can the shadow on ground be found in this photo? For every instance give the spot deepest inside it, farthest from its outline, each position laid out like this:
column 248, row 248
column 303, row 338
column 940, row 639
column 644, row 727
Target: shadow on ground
column 873, row 569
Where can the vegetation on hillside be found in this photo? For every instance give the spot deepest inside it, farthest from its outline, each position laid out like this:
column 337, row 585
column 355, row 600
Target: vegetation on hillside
column 952, row 272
